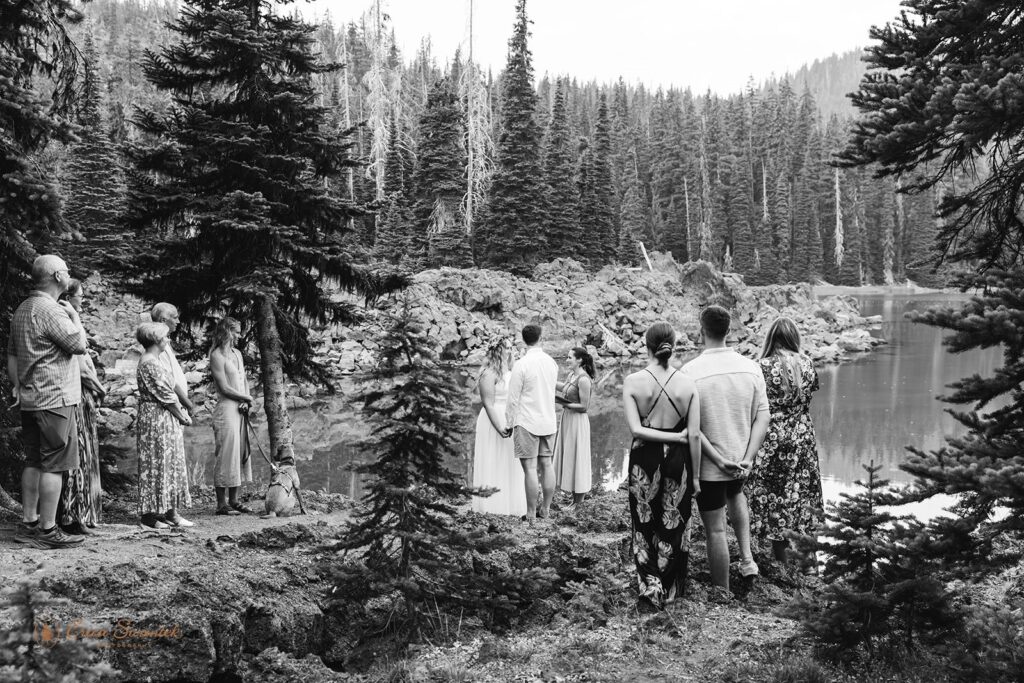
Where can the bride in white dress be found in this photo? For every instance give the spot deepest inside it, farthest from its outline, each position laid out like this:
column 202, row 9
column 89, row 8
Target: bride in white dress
column 494, row 464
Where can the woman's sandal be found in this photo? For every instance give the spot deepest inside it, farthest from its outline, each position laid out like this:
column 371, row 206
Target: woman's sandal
column 238, row 507
column 227, row 510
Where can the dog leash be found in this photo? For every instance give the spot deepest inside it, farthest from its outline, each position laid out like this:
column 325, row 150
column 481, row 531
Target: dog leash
column 273, row 467
column 256, row 439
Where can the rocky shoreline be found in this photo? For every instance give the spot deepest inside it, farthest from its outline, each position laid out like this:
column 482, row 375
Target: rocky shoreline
column 466, row 310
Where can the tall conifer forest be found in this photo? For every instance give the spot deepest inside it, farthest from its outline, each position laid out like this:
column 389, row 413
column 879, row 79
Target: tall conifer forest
column 513, row 168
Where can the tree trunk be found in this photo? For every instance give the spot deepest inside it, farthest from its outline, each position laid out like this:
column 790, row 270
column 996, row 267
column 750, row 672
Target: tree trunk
column 8, row 503
column 279, row 425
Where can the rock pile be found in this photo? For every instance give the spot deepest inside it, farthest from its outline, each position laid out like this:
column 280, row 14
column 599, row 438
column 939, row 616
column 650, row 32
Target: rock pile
column 610, row 310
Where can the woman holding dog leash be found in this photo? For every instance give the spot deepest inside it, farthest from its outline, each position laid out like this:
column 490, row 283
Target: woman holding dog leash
column 232, row 464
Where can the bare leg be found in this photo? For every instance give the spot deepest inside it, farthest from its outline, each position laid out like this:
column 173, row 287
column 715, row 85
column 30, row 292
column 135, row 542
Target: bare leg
column 30, row 493
column 740, row 514
column 529, row 466
column 718, row 547
column 547, row 483
column 50, row 484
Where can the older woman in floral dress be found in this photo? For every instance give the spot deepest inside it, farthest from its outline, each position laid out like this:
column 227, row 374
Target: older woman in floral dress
column 784, row 488
column 79, row 509
column 163, row 479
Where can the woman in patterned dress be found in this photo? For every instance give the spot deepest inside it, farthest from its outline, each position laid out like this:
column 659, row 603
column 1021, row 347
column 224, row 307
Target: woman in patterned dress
column 79, row 509
column 663, row 412
column 163, row 479
column 784, row 488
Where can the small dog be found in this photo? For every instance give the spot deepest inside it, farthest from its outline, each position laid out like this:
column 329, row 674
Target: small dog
column 283, row 492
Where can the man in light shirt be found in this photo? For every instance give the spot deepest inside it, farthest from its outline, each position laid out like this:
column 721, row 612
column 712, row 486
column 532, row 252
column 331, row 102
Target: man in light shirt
column 734, row 418
column 168, row 315
column 46, row 335
column 531, row 416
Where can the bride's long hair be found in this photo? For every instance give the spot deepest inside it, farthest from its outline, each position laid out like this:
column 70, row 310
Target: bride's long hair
column 783, row 340
column 498, row 359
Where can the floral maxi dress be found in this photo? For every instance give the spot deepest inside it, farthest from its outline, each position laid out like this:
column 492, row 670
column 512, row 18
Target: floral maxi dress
column 163, row 478
column 660, row 494
column 81, row 496
column 784, row 490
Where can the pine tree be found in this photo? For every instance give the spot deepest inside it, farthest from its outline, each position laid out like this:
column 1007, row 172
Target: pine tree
column 93, row 179
column 632, row 222
column 410, row 527
column 602, row 228
column 395, row 230
column 41, row 657
column 705, row 249
column 807, row 255
column 33, row 44
column 879, row 592
column 984, row 468
column 235, row 217
column 913, row 128
column 736, row 212
column 517, row 206
column 438, row 183
column 589, row 249
column 621, row 157
column 563, row 234
column 921, row 254
column 948, row 91
column 851, row 272
column 782, row 226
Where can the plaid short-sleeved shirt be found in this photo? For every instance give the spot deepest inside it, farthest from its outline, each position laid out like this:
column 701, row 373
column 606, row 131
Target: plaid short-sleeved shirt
column 45, row 342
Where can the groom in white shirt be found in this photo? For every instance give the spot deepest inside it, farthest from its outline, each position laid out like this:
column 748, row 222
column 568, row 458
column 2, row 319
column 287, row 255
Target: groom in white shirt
column 531, row 416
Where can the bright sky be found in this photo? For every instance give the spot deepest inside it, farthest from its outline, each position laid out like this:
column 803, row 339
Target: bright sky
column 703, row 44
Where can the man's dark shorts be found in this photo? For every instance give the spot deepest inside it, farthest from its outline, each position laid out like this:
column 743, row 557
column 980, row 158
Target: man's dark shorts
column 51, row 438
column 713, row 494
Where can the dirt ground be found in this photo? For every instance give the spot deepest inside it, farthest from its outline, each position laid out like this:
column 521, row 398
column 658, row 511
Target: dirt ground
column 264, row 584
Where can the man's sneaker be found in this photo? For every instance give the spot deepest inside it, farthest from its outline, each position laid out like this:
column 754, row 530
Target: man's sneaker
column 25, row 532
column 748, row 568
column 56, row 538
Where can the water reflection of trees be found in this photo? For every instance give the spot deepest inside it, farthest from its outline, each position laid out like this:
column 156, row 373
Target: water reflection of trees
column 874, row 408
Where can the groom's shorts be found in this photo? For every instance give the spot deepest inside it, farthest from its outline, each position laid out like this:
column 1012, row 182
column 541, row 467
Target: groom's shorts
column 527, row 445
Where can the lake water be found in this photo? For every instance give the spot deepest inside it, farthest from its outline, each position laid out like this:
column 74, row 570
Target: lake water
column 867, row 409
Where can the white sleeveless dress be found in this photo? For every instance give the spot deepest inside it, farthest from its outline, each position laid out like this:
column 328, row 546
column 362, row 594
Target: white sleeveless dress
column 495, row 465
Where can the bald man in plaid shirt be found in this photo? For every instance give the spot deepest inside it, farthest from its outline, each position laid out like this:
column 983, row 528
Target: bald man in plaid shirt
column 46, row 335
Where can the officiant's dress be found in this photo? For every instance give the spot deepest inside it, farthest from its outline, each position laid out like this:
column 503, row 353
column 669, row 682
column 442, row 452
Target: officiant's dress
column 572, row 446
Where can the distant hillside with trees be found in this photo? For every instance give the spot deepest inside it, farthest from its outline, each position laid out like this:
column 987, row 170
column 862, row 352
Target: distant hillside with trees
column 830, row 80
column 505, row 170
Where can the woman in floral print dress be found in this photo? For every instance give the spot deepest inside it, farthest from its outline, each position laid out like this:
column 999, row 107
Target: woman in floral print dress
column 163, row 478
column 80, row 508
column 663, row 412
column 784, row 488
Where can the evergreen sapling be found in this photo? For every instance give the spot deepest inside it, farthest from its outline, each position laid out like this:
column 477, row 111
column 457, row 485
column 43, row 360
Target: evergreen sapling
column 415, row 544
column 879, row 594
